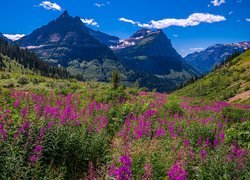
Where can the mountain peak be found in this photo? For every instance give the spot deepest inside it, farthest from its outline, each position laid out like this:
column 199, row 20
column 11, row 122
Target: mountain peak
column 65, row 14
column 141, row 33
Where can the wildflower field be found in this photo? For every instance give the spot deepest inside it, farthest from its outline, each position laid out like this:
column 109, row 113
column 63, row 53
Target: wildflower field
column 91, row 133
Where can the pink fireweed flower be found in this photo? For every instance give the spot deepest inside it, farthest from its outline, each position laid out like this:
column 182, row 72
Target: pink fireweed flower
column 2, row 132
column 16, row 103
column 23, row 129
column 148, row 170
column 124, row 171
column 239, row 155
column 221, row 137
column 186, row 142
column 208, row 142
column 160, row 132
column 50, row 124
column 177, row 172
column 7, row 112
column 24, row 112
column 203, row 154
column 37, row 153
column 199, row 142
column 216, row 142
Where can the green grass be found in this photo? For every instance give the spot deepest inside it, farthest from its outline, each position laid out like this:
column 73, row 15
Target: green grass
column 231, row 79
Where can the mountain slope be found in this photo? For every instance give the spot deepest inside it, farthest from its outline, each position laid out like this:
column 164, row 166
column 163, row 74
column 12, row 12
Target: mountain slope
column 205, row 60
column 5, row 38
column 151, row 52
column 232, row 79
column 67, row 42
column 103, row 37
column 28, row 60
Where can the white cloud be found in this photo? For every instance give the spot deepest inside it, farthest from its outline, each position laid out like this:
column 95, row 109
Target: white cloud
column 248, row 19
column 135, row 23
column 102, row 4
column 14, row 37
column 90, row 22
column 99, row 4
column 193, row 20
column 175, row 35
column 218, row 2
column 196, row 49
column 127, row 20
column 50, row 6
column 231, row 12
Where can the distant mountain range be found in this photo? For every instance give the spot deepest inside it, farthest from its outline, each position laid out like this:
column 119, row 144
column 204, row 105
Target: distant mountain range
column 230, row 82
column 5, row 38
column 68, row 43
column 147, row 57
column 205, row 60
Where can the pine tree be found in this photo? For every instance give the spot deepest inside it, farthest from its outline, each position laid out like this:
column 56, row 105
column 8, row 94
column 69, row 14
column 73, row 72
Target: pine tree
column 115, row 79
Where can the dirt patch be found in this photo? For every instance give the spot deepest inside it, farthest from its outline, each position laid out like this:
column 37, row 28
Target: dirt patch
column 241, row 96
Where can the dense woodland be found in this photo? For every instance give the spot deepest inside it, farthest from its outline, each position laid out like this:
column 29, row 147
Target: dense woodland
column 30, row 60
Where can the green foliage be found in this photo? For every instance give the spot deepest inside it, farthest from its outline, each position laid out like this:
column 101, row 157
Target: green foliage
column 115, row 80
column 235, row 115
column 74, row 148
column 228, row 80
column 23, row 80
column 173, row 106
column 30, row 61
column 239, row 133
column 115, row 95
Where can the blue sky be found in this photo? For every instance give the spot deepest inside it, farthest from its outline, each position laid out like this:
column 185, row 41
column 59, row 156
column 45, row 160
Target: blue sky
column 190, row 24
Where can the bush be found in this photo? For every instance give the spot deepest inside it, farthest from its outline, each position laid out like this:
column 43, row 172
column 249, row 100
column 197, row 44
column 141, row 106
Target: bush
column 9, row 84
column 115, row 95
column 235, row 115
column 74, row 148
column 173, row 106
column 240, row 134
column 23, row 80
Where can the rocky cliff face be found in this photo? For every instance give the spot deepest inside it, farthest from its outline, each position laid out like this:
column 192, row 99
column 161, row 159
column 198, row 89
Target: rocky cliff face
column 151, row 52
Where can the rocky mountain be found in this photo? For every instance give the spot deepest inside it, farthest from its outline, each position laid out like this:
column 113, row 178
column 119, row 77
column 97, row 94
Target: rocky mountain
column 146, row 57
column 151, row 52
column 104, row 38
column 205, row 60
column 67, row 42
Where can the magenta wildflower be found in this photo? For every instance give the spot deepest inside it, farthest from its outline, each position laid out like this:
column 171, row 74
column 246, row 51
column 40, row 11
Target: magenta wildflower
column 2, row 131
column 216, row 142
column 221, row 137
column 124, row 171
column 16, row 103
column 160, row 132
column 185, row 142
column 24, row 112
column 203, row 154
column 177, row 172
column 148, row 170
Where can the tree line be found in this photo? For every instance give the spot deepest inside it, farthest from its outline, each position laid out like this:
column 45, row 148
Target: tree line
column 31, row 61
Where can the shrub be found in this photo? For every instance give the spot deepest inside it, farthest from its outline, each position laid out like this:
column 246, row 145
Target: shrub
column 235, row 115
column 173, row 106
column 240, row 134
column 74, row 148
column 23, row 80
